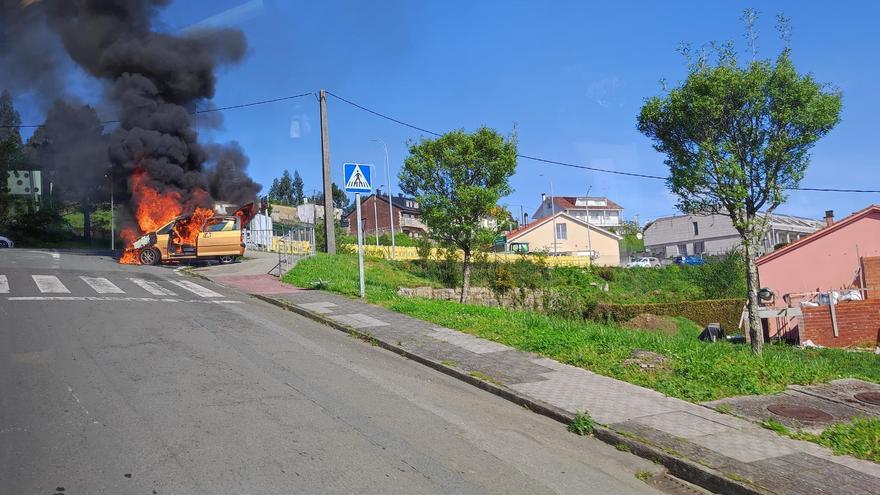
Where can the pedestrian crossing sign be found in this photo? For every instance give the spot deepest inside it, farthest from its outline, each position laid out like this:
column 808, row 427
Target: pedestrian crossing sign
column 358, row 178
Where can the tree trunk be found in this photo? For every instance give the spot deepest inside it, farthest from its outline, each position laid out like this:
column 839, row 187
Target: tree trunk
column 87, row 219
column 756, row 331
column 466, row 276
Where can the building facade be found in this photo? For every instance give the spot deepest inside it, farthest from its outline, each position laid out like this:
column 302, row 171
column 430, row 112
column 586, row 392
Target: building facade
column 573, row 237
column 599, row 211
column 376, row 217
column 683, row 235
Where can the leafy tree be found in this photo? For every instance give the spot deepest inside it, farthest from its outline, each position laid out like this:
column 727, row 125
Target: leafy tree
column 298, row 194
column 340, row 197
column 285, row 189
column 736, row 137
column 11, row 150
column 458, row 179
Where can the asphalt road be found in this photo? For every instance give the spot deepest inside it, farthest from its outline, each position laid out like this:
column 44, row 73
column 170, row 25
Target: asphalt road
column 134, row 380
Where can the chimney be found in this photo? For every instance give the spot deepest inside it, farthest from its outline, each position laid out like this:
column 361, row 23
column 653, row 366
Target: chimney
column 829, row 218
column 543, row 197
column 399, row 195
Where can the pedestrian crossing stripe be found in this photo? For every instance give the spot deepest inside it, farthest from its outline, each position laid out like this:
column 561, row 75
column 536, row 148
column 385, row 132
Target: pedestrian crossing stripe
column 51, row 284
column 358, row 177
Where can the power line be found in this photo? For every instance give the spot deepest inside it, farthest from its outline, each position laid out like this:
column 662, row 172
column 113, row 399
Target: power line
column 196, row 112
column 583, row 167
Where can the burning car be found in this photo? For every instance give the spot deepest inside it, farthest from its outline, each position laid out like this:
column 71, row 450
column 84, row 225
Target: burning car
column 204, row 235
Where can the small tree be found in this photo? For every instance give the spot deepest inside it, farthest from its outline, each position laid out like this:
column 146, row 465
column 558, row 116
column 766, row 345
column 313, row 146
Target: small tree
column 736, row 138
column 458, row 179
column 273, row 190
column 298, row 194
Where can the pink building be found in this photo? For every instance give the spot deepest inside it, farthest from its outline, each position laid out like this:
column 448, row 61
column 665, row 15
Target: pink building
column 828, row 259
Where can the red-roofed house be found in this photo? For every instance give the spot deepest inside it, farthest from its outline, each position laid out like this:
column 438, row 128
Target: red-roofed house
column 831, row 259
column 599, row 211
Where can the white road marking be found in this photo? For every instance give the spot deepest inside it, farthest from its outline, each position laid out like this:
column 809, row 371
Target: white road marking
column 55, row 255
column 195, row 288
column 118, row 299
column 50, row 284
column 4, row 284
column 152, row 287
column 102, row 285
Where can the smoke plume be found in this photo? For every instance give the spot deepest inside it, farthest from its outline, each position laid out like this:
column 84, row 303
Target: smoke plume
column 153, row 81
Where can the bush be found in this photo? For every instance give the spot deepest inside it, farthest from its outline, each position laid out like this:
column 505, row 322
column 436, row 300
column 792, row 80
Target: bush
column 400, row 239
column 44, row 225
column 607, row 273
column 727, row 312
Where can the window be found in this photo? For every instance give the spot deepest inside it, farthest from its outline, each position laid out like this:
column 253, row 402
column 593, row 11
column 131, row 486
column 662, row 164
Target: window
column 561, row 231
column 682, row 249
column 699, row 247
column 696, row 228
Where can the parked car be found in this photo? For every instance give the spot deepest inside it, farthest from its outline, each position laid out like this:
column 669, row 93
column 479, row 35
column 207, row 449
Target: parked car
column 6, row 242
column 645, row 262
column 220, row 238
column 689, row 260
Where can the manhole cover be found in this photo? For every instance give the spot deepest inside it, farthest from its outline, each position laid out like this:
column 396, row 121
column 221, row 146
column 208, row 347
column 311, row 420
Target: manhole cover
column 869, row 397
column 800, row 413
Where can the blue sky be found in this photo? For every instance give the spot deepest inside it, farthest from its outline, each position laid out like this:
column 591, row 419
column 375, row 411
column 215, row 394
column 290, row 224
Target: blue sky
column 571, row 77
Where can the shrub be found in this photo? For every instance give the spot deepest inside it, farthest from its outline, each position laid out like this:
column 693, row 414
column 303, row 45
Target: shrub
column 607, row 273
column 423, row 248
column 502, row 281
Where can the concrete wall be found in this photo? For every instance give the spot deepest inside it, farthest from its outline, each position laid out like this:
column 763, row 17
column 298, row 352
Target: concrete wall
column 540, row 238
column 825, row 262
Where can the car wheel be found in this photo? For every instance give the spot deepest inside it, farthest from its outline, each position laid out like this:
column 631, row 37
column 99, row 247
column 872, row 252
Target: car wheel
column 149, row 256
column 226, row 259
column 4, row 244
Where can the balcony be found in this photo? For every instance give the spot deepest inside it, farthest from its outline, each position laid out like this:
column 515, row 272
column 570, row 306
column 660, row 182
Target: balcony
column 413, row 223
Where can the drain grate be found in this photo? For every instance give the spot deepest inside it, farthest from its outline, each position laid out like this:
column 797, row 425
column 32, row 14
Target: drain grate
column 869, row 397
column 800, row 413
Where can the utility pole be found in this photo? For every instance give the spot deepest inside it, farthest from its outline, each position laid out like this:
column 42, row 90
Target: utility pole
column 329, row 213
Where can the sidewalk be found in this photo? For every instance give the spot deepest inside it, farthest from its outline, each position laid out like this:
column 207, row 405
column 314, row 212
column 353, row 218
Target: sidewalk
column 721, row 452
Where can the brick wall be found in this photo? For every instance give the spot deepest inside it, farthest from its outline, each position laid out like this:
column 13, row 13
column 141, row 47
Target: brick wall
column 858, row 324
column 370, row 216
column 871, row 269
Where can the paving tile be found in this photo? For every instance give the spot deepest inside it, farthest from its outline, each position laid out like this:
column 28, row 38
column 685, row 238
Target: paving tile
column 359, row 320
column 469, row 342
column 318, row 307
column 745, row 446
column 683, row 424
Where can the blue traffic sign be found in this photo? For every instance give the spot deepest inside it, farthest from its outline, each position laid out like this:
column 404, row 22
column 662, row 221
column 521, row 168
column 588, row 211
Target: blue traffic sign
column 358, row 178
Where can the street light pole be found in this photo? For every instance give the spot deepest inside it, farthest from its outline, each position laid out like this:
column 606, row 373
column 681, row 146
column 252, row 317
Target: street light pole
column 552, row 214
column 376, row 220
column 390, row 194
column 589, row 227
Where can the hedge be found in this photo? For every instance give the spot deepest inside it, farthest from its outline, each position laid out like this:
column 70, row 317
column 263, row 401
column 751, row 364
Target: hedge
column 727, row 312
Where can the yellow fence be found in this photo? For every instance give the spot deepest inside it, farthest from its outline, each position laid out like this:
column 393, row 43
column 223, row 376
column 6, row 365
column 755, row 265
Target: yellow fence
column 411, row 253
column 293, row 247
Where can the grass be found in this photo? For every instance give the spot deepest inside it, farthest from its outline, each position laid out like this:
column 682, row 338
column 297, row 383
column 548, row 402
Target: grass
column 479, row 375
column 858, row 438
column 644, row 475
column 582, row 424
column 697, row 371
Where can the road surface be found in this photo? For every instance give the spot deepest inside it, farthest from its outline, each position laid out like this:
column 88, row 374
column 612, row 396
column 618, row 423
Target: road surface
column 131, row 379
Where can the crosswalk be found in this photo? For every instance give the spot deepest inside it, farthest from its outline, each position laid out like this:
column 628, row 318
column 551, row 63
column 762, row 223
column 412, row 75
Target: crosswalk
column 19, row 287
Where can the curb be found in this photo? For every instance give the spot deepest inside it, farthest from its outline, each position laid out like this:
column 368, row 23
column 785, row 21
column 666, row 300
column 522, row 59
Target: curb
column 685, row 469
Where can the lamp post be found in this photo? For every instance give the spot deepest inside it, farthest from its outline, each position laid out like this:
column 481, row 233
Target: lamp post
column 390, row 193
column 589, row 228
column 376, row 219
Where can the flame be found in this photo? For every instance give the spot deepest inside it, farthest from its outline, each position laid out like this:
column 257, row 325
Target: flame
column 155, row 209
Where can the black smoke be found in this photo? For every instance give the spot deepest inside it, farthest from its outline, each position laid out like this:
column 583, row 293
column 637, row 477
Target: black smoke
column 153, row 81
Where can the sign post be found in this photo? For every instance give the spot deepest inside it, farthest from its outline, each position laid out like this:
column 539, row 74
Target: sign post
column 358, row 179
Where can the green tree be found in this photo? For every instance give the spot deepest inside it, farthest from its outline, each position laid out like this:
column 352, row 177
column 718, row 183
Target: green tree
column 736, row 137
column 458, row 179
column 11, row 149
column 340, row 197
column 298, row 194
column 285, row 189
column 273, row 190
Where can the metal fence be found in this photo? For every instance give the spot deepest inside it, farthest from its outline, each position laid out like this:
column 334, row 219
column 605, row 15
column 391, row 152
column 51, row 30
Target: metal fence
column 291, row 244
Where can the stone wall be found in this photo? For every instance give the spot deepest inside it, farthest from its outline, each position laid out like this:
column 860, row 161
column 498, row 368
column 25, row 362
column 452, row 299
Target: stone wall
column 514, row 299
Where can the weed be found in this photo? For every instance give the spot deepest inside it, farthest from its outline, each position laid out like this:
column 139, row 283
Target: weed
column 486, row 378
column 582, row 424
column 772, row 424
column 623, row 447
column 644, row 475
column 449, row 363
column 724, row 409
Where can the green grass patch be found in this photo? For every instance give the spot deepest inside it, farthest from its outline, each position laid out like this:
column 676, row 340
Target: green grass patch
column 858, row 438
column 697, row 371
column 479, row 375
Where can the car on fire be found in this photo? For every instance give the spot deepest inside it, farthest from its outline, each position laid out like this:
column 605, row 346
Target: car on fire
column 219, row 237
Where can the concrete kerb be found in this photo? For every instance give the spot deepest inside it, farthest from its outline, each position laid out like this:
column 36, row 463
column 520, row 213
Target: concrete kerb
column 685, row 469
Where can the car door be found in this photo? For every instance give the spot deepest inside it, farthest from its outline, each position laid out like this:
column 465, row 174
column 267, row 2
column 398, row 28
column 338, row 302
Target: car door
column 228, row 237
column 211, row 244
